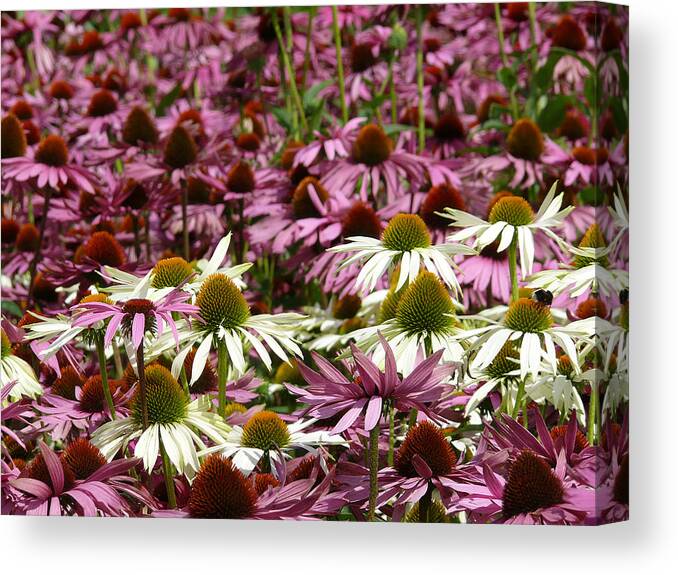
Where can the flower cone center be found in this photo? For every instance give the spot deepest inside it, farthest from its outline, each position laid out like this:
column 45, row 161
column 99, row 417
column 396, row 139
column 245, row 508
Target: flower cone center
column 166, row 401
column 531, row 485
column 372, row 146
column 13, row 140
column 83, row 458
column 102, row 104
column 180, row 148
column 302, row 204
column 425, row 306
column 221, row 303
column 240, row 179
column 170, row 272
column 529, row 316
column 437, row 199
column 265, row 430
column 361, row 220
column 52, row 151
column 139, row 127
column 104, row 249
column 221, row 491
column 406, row 232
column 525, row 140
column 512, row 210
column 428, row 442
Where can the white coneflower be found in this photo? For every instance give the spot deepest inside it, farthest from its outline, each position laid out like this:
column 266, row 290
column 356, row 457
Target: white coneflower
column 224, row 322
column 267, row 436
column 529, row 323
column 588, row 271
column 417, row 321
column 170, row 273
column 406, row 242
column 15, row 370
column 514, row 223
column 175, row 425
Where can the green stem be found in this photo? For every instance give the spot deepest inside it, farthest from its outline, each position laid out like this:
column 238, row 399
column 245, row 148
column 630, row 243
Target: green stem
column 340, row 64
column 391, row 435
column 392, row 90
column 592, row 415
column 292, row 83
column 141, row 371
column 307, row 51
column 99, row 343
column 29, row 207
column 534, row 55
column 222, row 372
column 169, row 478
column 184, row 221
column 512, row 260
column 184, row 382
column 373, row 459
column 420, row 80
column 504, row 57
column 147, row 228
column 117, row 361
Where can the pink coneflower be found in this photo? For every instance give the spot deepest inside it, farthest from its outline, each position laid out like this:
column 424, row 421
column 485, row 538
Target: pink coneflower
column 181, row 29
column 61, row 416
column 529, row 493
column 80, row 482
column 424, row 464
column 337, row 145
column 49, row 167
column 526, row 153
column 330, row 392
column 563, row 445
column 309, row 217
column 373, row 163
column 221, row 491
column 135, row 316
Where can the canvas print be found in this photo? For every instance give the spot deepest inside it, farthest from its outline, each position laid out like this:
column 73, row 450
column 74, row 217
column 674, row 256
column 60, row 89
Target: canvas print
column 340, row 263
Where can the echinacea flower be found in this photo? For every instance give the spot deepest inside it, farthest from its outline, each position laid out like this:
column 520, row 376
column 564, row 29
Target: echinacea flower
column 424, row 464
column 372, row 162
column 17, row 373
column 590, row 270
column 49, row 166
column 135, row 316
column 531, row 493
column 80, row 482
column 527, row 323
column 330, row 392
column 221, row 491
column 175, row 423
column 224, row 319
column 405, row 241
column 268, row 439
column 513, row 222
column 417, row 321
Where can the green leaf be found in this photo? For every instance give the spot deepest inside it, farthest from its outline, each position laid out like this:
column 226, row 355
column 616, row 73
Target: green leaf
column 544, row 75
column 507, row 77
column 311, row 94
column 553, row 113
column 11, row 308
column 283, row 117
column 619, row 113
column 167, row 100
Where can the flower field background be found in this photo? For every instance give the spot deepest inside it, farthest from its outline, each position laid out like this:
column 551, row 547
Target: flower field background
column 354, row 263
